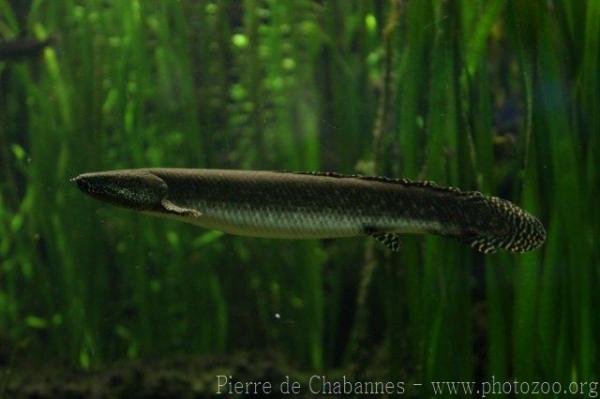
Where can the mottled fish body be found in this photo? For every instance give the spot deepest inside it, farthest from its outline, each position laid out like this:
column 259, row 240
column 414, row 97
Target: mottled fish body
column 317, row 205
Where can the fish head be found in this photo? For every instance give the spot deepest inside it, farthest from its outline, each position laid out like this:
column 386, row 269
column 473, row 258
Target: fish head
column 134, row 189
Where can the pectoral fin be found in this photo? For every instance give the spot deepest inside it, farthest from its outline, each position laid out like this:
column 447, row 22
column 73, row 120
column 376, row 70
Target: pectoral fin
column 172, row 208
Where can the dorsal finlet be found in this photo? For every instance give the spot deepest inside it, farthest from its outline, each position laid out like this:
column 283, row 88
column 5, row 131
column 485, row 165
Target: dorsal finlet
column 403, row 181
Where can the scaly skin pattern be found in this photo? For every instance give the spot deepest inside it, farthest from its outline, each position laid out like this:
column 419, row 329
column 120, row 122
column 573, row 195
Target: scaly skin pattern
column 305, row 205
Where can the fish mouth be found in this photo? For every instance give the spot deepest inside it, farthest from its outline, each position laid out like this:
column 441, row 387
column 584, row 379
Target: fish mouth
column 134, row 189
column 84, row 183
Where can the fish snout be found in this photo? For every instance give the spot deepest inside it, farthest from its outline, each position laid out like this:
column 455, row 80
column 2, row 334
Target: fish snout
column 138, row 190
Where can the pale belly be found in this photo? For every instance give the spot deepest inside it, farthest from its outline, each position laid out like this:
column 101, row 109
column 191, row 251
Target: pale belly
column 289, row 224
